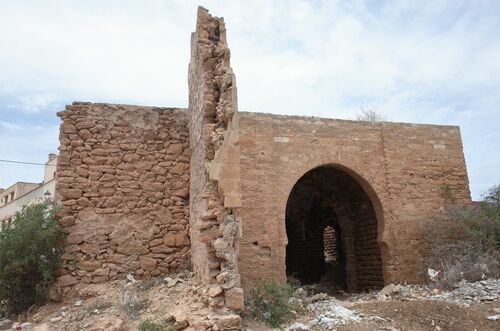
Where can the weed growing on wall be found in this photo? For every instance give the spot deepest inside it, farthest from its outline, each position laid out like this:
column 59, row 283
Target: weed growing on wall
column 370, row 115
column 30, row 253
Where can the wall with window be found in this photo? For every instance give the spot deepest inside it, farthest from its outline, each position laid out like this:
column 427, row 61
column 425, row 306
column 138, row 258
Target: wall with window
column 38, row 194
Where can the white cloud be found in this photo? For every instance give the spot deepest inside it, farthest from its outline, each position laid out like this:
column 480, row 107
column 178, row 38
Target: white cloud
column 434, row 61
column 9, row 126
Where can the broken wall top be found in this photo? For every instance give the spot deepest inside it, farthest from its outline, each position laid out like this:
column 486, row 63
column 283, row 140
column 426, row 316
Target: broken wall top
column 210, row 57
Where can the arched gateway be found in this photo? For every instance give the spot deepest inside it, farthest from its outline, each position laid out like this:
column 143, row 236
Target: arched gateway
column 331, row 226
column 335, row 200
column 148, row 190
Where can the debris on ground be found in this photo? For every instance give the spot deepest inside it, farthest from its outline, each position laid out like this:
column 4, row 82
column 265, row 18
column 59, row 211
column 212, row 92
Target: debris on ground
column 298, row 327
column 5, row 322
column 469, row 306
column 329, row 314
column 21, row 326
column 121, row 305
column 483, row 291
column 464, row 293
column 494, row 317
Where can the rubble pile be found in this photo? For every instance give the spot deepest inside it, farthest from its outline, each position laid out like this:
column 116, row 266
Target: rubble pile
column 393, row 292
column 328, row 313
column 483, row 291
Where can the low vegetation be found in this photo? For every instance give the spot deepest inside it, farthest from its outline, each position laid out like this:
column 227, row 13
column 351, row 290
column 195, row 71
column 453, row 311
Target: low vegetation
column 30, row 253
column 157, row 325
column 273, row 303
column 134, row 302
column 150, row 283
column 370, row 115
column 467, row 244
column 98, row 306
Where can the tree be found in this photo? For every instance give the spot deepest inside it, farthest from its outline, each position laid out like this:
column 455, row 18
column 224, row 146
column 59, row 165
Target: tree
column 492, row 195
column 30, row 253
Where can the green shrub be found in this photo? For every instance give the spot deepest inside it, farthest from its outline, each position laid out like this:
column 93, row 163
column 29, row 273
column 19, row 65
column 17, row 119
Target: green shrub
column 274, row 303
column 467, row 245
column 152, row 325
column 486, row 226
column 30, row 253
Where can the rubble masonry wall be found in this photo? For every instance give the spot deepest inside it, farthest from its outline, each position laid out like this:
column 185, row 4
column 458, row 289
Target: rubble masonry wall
column 215, row 191
column 123, row 178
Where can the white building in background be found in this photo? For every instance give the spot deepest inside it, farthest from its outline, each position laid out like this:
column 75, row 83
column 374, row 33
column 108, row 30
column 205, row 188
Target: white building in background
column 13, row 198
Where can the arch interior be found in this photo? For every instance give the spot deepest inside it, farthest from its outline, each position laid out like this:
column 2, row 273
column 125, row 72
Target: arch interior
column 331, row 227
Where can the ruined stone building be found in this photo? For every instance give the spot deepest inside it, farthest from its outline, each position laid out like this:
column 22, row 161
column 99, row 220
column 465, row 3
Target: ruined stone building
column 243, row 197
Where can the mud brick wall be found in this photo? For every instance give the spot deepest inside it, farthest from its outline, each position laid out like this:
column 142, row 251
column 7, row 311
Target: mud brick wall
column 123, row 180
column 401, row 167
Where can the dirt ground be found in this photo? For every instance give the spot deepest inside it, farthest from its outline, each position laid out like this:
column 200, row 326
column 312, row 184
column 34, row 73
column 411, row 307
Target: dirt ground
column 411, row 316
column 400, row 313
column 425, row 315
column 121, row 305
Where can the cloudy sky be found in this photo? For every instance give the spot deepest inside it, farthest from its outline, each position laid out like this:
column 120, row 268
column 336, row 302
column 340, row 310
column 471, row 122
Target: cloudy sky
column 413, row 61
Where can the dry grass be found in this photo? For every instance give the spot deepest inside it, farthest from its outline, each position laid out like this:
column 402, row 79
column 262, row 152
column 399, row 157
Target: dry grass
column 466, row 245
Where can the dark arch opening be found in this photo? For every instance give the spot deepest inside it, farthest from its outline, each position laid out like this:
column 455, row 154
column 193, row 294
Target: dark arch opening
column 331, row 227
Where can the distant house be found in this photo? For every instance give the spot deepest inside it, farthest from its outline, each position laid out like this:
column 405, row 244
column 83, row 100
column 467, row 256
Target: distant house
column 20, row 194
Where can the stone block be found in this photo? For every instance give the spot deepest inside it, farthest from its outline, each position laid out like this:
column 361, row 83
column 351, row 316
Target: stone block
column 179, row 239
column 234, row 298
column 148, row 264
column 88, row 265
column 70, row 193
column 66, row 280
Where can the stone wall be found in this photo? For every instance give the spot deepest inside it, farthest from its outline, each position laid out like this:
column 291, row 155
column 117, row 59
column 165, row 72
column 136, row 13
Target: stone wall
column 123, row 179
column 142, row 195
column 401, row 168
column 214, row 203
